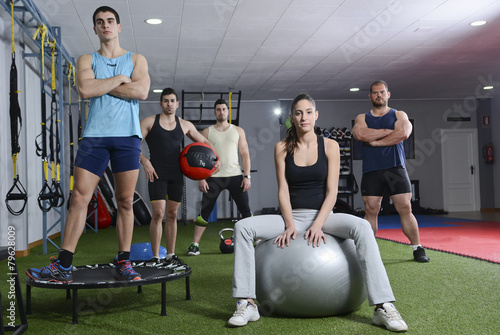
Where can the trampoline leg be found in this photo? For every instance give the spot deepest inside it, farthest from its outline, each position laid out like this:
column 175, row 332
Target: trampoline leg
column 188, row 289
column 163, row 299
column 139, row 289
column 28, row 299
column 75, row 304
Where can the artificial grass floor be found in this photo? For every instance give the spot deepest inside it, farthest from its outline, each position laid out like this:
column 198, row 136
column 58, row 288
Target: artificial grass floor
column 449, row 295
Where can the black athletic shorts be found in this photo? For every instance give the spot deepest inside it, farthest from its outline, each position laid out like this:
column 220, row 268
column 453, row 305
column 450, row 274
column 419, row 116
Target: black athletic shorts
column 166, row 189
column 394, row 181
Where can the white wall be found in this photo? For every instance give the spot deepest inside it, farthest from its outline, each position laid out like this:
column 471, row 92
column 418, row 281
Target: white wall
column 495, row 124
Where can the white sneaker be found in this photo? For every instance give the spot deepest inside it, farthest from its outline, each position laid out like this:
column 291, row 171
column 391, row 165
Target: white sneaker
column 389, row 317
column 245, row 312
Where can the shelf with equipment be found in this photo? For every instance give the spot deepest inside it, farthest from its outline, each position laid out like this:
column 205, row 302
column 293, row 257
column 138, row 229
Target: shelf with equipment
column 348, row 186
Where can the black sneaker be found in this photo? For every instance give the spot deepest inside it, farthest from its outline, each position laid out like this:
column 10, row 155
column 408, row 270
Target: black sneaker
column 193, row 250
column 53, row 272
column 125, row 271
column 175, row 263
column 420, row 256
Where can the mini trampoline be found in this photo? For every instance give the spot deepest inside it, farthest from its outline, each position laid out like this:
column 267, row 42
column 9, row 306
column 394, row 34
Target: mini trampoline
column 102, row 276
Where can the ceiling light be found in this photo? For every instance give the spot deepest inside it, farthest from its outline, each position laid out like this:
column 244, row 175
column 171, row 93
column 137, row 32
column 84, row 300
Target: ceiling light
column 157, row 90
column 154, row 21
column 277, row 112
column 478, row 23
column 488, row 87
column 354, row 89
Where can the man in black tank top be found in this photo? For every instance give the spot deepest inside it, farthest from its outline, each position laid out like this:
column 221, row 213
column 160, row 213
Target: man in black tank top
column 384, row 171
column 164, row 133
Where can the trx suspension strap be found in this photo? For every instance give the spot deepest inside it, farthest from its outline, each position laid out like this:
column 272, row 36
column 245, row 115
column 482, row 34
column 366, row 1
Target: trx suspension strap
column 55, row 148
column 17, row 191
column 41, row 150
column 71, row 72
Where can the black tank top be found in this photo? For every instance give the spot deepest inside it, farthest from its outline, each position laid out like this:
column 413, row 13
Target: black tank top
column 165, row 148
column 307, row 184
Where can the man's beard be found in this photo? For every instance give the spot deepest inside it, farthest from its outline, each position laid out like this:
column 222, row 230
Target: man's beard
column 379, row 104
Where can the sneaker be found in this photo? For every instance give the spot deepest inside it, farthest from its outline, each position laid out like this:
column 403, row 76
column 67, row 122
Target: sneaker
column 420, row 256
column 193, row 250
column 389, row 317
column 245, row 312
column 53, row 272
column 175, row 263
column 125, row 271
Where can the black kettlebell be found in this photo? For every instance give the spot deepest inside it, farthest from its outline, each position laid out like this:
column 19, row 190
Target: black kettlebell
column 226, row 245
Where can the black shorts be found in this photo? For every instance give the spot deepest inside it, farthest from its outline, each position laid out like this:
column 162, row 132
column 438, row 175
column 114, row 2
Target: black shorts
column 166, row 189
column 394, row 181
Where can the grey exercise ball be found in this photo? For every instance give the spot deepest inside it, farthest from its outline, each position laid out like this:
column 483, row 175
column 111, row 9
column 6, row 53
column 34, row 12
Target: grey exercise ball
column 302, row 281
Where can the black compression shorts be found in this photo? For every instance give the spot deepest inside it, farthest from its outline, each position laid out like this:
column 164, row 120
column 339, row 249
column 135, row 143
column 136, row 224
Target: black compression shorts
column 394, row 181
column 166, row 189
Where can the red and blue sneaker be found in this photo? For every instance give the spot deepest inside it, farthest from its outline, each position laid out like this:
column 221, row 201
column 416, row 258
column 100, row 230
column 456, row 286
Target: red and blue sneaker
column 125, row 271
column 53, row 272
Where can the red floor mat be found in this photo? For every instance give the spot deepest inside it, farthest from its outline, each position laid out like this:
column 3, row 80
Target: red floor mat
column 478, row 239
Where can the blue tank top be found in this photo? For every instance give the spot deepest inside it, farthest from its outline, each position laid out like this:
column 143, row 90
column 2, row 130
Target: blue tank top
column 110, row 116
column 165, row 149
column 307, row 184
column 382, row 158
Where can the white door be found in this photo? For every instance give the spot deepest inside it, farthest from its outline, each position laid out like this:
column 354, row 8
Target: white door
column 460, row 170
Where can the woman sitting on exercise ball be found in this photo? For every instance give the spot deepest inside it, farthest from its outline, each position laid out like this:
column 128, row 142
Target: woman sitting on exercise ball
column 307, row 170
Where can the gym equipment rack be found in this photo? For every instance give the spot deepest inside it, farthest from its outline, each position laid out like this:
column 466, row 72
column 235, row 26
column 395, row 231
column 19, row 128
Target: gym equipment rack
column 30, row 19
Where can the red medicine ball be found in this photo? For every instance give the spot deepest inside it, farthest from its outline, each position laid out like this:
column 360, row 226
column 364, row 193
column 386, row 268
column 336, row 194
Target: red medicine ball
column 198, row 161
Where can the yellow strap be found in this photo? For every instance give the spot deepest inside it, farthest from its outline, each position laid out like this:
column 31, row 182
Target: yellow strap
column 230, row 108
column 70, row 67
column 46, row 169
column 53, row 170
column 53, row 69
column 42, row 31
column 14, row 163
column 58, row 173
column 87, row 109
column 71, row 72
column 12, row 26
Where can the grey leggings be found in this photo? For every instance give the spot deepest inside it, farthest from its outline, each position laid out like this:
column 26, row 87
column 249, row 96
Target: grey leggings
column 345, row 226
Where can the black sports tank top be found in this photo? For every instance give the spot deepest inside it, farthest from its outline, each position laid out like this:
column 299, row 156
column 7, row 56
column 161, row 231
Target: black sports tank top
column 307, row 184
column 165, row 148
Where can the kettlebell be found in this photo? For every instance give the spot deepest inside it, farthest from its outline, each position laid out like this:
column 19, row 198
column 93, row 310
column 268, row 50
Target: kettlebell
column 226, row 245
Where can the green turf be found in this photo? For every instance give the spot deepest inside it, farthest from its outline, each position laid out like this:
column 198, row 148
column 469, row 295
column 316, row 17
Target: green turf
column 449, row 295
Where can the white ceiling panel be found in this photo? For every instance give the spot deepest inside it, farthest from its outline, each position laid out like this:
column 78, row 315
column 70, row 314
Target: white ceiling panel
column 271, row 49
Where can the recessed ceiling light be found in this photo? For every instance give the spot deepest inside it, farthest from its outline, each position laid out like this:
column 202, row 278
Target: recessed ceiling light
column 488, row 87
column 157, row 90
column 354, row 89
column 478, row 23
column 154, row 21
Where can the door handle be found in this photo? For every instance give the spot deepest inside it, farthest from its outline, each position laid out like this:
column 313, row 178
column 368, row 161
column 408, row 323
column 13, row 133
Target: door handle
column 472, row 169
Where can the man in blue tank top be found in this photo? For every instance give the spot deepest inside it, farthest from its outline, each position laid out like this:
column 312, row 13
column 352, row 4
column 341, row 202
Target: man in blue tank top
column 164, row 134
column 114, row 80
column 383, row 130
